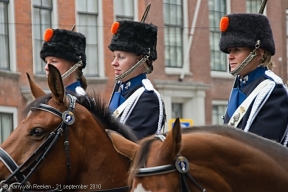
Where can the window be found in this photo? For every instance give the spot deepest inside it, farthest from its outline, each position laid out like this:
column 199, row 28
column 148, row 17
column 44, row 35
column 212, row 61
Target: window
column 218, row 61
column 42, row 19
column 253, row 6
column 4, row 36
column 177, row 110
column 6, row 125
column 8, row 119
column 186, row 101
column 124, row 9
column 218, row 112
column 173, row 32
column 87, row 19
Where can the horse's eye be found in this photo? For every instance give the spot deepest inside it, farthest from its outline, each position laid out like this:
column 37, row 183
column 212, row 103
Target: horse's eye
column 37, row 132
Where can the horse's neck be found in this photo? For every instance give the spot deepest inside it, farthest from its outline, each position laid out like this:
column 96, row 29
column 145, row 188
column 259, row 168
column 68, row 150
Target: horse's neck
column 220, row 155
column 101, row 163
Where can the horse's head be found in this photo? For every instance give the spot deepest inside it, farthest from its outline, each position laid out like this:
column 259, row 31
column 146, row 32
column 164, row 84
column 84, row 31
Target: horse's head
column 39, row 132
column 63, row 142
column 153, row 160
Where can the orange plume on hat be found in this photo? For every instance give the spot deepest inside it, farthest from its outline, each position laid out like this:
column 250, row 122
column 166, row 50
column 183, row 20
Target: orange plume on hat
column 224, row 23
column 243, row 30
column 134, row 37
column 48, row 34
column 115, row 27
column 65, row 44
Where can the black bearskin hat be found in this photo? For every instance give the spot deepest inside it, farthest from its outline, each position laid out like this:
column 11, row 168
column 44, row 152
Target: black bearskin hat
column 243, row 30
column 134, row 37
column 65, row 44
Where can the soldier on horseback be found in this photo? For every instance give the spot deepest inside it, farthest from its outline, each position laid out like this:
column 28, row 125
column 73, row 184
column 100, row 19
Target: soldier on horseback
column 258, row 102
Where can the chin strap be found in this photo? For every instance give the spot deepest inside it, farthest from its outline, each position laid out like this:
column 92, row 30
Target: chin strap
column 72, row 69
column 138, row 64
column 248, row 59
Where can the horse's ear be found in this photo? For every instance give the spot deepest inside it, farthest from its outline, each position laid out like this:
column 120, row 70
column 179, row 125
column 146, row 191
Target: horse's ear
column 123, row 145
column 176, row 131
column 56, row 85
column 172, row 144
column 35, row 89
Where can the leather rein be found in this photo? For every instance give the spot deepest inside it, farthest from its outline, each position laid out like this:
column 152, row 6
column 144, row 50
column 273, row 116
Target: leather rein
column 31, row 164
column 181, row 165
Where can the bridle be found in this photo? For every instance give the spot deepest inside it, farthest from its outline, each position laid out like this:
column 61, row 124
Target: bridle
column 181, row 165
column 31, row 164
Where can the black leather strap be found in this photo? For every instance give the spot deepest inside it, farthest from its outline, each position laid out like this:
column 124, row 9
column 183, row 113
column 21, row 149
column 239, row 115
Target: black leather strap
column 10, row 164
column 155, row 170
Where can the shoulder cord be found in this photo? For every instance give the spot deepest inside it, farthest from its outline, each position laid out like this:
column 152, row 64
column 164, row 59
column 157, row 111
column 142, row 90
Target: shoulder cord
column 286, row 137
column 286, row 131
column 278, row 80
column 131, row 104
column 121, row 108
column 260, row 100
column 258, row 104
column 242, row 109
column 161, row 111
column 286, row 134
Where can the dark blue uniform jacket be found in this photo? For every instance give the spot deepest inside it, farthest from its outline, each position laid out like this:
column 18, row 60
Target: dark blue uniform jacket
column 271, row 121
column 143, row 120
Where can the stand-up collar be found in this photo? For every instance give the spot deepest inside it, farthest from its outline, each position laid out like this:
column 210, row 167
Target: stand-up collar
column 250, row 77
column 72, row 87
column 132, row 82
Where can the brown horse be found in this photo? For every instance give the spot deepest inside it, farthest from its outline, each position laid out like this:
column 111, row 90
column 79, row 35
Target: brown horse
column 62, row 144
column 207, row 158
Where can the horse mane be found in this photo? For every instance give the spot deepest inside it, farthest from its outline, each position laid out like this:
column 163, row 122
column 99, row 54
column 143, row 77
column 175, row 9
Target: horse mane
column 97, row 107
column 251, row 139
column 141, row 157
